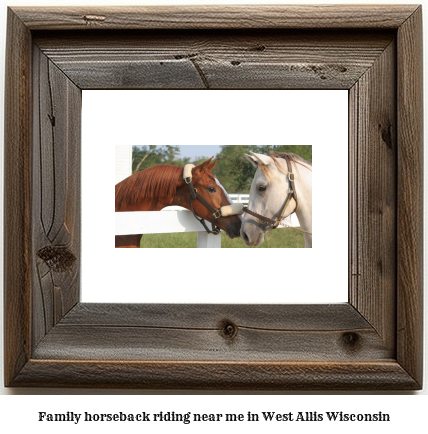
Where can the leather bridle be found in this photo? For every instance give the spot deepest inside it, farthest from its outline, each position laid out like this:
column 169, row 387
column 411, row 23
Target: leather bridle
column 291, row 194
column 216, row 213
column 224, row 211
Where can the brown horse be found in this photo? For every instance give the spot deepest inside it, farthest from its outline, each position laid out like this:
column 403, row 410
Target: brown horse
column 160, row 186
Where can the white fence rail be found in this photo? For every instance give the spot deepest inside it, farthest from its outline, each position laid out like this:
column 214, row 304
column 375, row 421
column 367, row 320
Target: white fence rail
column 155, row 222
column 236, row 198
column 240, row 198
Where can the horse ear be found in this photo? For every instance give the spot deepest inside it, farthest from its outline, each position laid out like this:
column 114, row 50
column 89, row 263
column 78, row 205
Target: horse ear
column 251, row 159
column 204, row 166
column 199, row 170
column 262, row 159
column 212, row 165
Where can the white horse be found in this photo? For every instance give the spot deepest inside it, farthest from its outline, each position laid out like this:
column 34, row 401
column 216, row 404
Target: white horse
column 282, row 185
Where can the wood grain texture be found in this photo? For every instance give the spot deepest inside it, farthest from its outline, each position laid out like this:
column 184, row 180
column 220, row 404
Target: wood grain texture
column 217, row 17
column 17, row 215
column 410, row 191
column 372, row 342
column 55, row 193
column 386, row 375
column 199, row 332
column 216, row 59
column 210, row 316
column 373, row 178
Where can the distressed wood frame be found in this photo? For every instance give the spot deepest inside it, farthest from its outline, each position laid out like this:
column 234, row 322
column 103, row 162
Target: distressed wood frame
column 372, row 342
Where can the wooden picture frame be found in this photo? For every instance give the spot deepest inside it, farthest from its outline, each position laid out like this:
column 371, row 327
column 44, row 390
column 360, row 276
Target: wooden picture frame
column 372, row 342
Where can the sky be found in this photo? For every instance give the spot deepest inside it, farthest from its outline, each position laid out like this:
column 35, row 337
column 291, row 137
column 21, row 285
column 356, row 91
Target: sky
column 193, row 151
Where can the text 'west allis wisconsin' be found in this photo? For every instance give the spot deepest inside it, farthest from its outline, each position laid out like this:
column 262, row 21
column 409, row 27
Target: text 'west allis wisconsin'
column 331, row 416
column 189, row 417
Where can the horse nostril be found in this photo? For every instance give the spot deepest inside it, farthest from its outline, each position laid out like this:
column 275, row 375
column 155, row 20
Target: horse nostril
column 245, row 237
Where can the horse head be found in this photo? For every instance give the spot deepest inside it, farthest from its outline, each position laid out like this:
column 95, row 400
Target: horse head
column 213, row 193
column 273, row 195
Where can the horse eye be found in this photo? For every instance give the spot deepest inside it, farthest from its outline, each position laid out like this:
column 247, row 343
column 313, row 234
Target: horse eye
column 262, row 188
column 211, row 189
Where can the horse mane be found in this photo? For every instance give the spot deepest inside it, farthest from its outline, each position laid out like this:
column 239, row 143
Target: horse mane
column 154, row 182
column 290, row 158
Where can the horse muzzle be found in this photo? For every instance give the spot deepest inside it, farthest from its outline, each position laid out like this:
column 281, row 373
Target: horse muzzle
column 251, row 234
column 230, row 220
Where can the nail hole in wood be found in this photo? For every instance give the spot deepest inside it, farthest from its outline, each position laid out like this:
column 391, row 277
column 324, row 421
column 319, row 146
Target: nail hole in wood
column 94, row 18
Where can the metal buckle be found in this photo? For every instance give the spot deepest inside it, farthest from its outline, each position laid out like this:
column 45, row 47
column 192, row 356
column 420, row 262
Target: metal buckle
column 215, row 231
column 188, row 180
column 291, row 176
column 215, row 214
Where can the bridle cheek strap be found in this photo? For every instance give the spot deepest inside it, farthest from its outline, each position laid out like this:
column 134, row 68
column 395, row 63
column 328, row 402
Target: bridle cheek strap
column 291, row 194
column 224, row 211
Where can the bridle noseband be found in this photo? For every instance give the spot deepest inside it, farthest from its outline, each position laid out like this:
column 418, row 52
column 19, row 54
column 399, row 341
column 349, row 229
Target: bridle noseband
column 194, row 195
column 291, row 194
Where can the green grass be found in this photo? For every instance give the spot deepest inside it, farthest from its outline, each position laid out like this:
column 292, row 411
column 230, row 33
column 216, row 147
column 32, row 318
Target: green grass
column 279, row 238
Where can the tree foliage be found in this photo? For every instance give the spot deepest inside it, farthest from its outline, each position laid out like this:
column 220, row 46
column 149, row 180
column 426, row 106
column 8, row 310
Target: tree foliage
column 144, row 157
column 234, row 171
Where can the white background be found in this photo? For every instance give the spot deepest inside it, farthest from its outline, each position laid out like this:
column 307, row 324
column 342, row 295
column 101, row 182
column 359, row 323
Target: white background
column 318, row 118
column 20, row 412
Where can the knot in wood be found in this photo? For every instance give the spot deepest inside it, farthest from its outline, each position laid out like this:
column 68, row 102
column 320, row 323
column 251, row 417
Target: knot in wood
column 351, row 340
column 386, row 133
column 228, row 330
column 58, row 259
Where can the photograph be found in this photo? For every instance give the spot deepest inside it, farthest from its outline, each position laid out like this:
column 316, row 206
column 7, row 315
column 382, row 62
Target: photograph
column 222, row 192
